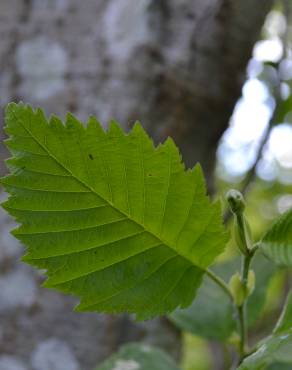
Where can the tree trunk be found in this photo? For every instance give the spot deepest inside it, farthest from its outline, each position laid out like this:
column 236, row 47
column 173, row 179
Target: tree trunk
column 178, row 66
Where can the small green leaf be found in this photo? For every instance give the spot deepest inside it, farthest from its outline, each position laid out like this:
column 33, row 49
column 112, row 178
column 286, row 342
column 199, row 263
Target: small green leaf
column 138, row 357
column 241, row 228
column 251, row 282
column 111, row 218
column 264, row 270
column 285, row 321
column 279, row 366
column 237, row 289
column 276, row 348
column 277, row 242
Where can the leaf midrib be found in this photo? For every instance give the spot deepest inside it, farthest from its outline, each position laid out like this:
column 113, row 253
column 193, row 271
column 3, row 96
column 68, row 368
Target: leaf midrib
column 94, row 192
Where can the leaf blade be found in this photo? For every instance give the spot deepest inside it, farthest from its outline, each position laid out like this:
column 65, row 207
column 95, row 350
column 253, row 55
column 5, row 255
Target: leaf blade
column 277, row 242
column 138, row 356
column 93, row 190
column 285, row 321
column 277, row 347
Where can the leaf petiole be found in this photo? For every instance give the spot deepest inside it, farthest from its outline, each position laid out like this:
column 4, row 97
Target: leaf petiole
column 220, row 282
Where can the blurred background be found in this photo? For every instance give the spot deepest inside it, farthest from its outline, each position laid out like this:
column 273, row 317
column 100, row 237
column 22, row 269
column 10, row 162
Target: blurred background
column 216, row 75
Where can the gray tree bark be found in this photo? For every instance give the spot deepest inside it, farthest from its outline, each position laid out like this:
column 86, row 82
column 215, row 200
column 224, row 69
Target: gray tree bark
column 176, row 65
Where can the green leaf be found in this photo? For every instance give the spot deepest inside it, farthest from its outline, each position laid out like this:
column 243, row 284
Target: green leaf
column 211, row 313
column 279, row 366
column 277, row 347
column 138, row 357
column 111, row 218
column 285, row 321
column 264, row 270
column 277, row 242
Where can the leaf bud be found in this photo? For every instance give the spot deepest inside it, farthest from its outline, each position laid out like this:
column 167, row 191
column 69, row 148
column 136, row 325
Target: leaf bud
column 251, row 280
column 237, row 289
column 235, row 200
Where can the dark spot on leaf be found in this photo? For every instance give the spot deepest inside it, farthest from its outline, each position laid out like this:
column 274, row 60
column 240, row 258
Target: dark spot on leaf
column 90, row 156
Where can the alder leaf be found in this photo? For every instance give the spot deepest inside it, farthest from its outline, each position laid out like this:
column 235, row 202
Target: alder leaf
column 138, row 357
column 279, row 366
column 285, row 321
column 111, row 218
column 213, row 321
column 277, row 347
column 277, row 242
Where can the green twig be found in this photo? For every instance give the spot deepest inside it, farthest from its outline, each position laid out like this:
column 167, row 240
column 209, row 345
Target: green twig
column 244, row 242
column 242, row 314
column 242, row 330
column 246, row 260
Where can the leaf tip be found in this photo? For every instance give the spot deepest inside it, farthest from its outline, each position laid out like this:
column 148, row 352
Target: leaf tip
column 115, row 129
column 11, row 110
column 10, row 107
column 55, row 122
column 26, row 258
column 78, row 308
column 138, row 129
column 94, row 124
column 46, row 284
column 72, row 122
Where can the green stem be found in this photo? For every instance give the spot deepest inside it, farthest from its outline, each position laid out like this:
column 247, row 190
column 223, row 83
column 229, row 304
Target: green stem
column 242, row 231
column 246, row 261
column 242, row 330
column 220, row 282
column 244, row 242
